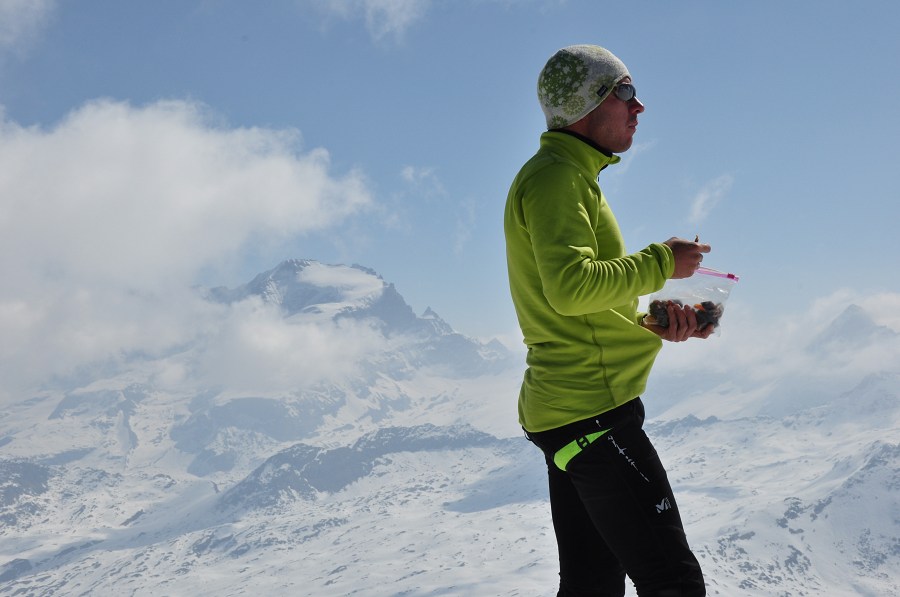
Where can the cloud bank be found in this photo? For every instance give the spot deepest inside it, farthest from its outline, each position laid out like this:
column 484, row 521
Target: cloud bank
column 253, row 349
column 107, row 219
column 796, row 358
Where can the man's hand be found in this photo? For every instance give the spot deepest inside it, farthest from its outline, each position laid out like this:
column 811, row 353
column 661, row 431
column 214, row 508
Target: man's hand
column 688, row 256
column 682, row 325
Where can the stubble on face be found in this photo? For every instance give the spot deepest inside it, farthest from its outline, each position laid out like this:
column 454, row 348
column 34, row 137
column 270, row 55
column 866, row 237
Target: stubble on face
column 613, row 123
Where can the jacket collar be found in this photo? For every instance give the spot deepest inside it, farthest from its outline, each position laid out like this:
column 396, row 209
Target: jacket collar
column 578, row 149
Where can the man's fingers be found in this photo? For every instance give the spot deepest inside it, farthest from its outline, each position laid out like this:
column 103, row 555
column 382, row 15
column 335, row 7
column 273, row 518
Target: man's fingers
column 691, row 321
column 685, row 327
column 680, row 323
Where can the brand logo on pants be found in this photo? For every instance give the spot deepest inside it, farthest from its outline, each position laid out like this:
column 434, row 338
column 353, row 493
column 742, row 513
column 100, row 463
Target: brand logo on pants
column 663, row 505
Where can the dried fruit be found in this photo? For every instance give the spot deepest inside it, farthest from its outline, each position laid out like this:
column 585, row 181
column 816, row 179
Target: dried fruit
column 707, row 312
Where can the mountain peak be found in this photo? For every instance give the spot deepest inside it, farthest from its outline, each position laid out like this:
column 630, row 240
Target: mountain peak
column 303, row 286
column 298, row 285
column 853, row 328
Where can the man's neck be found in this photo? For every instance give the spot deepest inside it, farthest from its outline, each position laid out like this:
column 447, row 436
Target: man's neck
column 581, row 137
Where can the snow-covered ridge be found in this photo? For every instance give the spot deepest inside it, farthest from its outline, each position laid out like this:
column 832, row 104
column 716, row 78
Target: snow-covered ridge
column 304, row 471
column 408, row 474
column 305, row 286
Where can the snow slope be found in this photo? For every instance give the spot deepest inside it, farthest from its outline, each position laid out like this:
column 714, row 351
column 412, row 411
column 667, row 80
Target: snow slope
column 407, row 474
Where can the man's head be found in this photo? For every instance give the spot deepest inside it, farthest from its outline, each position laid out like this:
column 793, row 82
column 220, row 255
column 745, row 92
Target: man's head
column 587, row 90
column 576, row 80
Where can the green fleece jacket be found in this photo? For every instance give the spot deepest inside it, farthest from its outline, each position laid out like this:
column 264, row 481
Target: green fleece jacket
column 575, row 289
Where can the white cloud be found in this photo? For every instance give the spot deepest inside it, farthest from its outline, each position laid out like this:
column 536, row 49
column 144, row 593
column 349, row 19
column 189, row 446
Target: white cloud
column 155, row 193
column 392, row 17
column 254, row 349
column 383, row 18
column 709, row 196
column 21, row 20
column 355, row 284
column 884, row 308
column 423, row 181
column 107, row 218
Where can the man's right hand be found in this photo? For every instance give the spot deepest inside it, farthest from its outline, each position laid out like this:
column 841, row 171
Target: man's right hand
column 688, row 256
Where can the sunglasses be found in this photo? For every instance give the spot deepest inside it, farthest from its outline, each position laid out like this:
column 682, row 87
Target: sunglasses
column 624, row 91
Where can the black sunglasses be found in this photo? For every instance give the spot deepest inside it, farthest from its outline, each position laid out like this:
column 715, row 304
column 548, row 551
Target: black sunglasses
column 624, row 91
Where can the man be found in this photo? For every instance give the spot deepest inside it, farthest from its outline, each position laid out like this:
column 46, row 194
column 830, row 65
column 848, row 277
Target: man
column 575, row 290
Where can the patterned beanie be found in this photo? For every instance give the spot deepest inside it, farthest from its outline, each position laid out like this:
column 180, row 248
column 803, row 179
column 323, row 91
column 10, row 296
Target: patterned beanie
column 575, row 80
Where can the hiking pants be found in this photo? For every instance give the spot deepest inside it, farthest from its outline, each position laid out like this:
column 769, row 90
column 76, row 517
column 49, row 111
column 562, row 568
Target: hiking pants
column 614, row 513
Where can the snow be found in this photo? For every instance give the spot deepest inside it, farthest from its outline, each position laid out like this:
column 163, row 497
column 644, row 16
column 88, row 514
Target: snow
column 409, row 475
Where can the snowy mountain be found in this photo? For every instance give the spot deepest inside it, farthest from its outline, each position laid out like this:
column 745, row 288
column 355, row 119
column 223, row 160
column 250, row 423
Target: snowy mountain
column 400, row 470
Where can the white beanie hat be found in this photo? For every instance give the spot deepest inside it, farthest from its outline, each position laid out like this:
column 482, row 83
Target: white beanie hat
column 575, row 80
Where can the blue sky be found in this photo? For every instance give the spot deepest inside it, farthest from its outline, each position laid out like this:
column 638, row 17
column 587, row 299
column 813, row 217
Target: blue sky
column 149, row 146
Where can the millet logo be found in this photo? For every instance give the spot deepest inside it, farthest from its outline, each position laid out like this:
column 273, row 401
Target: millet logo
column 663, row 506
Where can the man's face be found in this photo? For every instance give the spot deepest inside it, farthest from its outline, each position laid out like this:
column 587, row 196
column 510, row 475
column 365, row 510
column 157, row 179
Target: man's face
column 613, row 123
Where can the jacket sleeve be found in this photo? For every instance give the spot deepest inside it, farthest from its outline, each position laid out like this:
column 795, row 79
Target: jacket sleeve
column 578, row 249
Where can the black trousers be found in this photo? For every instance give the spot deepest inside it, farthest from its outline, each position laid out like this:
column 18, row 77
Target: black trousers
column 614, row 513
